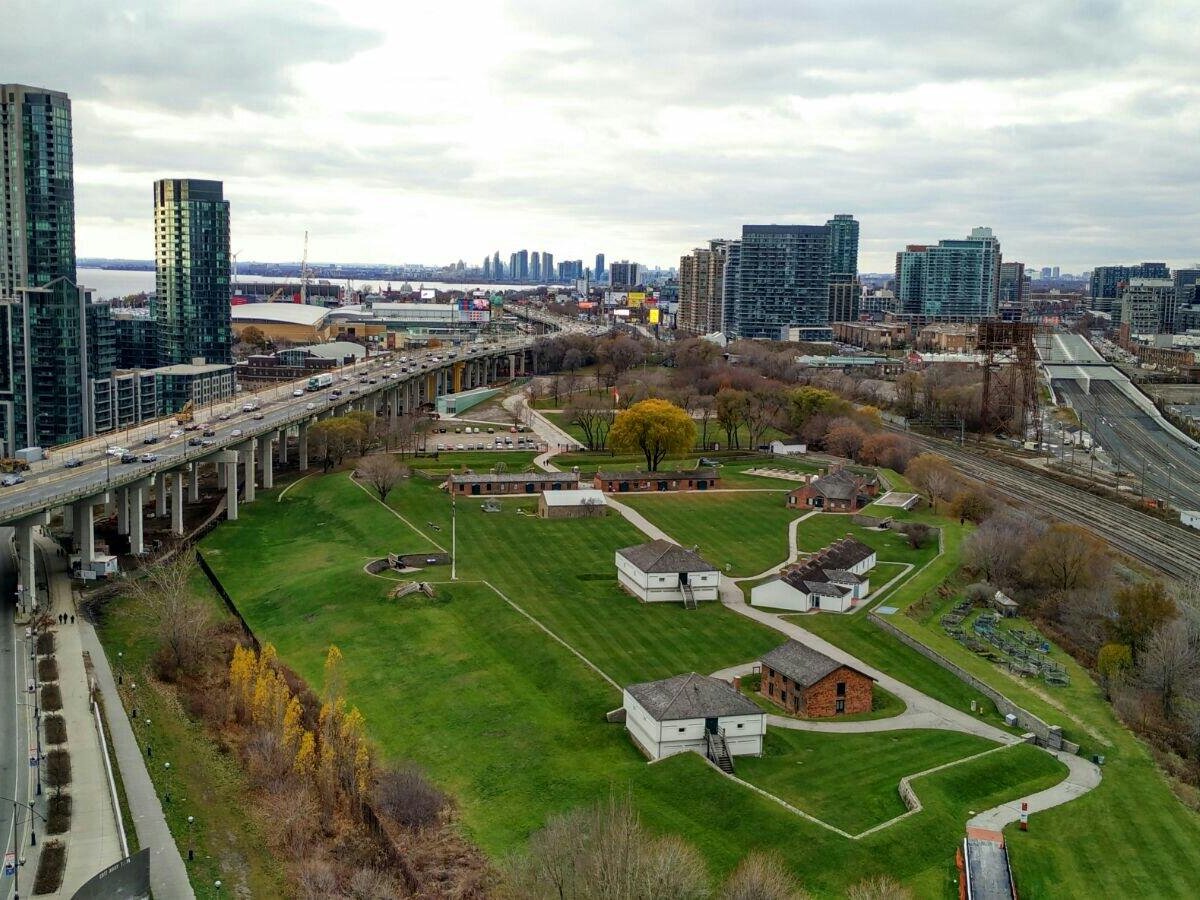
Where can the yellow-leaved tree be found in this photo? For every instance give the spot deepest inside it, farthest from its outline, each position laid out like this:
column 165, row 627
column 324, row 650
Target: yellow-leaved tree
column 654, row 428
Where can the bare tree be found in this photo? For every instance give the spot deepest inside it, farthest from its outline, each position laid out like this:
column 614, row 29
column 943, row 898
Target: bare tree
column 996, row 548
column 1170, row 663
column 593, row 415
column 762, row 876
column 181, row 621
column 382, row 472
column 409, row 798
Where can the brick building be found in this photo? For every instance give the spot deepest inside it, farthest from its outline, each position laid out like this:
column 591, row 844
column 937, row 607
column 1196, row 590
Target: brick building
column 492, row 484
column 838, row 491
column 808, row 683
column 633, row 482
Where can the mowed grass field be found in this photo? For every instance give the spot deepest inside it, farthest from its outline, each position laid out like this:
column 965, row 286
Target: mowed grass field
column 812, row 770
column 512, row 722
column 745, row 530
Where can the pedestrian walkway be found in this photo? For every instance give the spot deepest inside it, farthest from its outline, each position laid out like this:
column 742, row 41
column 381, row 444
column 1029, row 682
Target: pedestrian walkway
column 93, row 841
column 168, row 877
column 1083, row 776
column 550, row 433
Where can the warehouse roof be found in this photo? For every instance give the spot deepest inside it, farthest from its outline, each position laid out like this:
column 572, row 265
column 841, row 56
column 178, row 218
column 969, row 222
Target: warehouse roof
column 586, row 497
column 278, row 313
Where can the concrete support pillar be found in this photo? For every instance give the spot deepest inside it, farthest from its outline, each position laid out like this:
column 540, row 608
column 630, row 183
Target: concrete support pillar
column 137, row 499
column 512, row 366
column 227, row 463
column 160, row 494
column 68, row 519
column 177, row 501
column 220, row 476
column 85, row 535
column 283, row 447
column 123, row 510
column 250, row 474
column 26, row 528
column 268, row 462
column 194, row 483
column 302, row 446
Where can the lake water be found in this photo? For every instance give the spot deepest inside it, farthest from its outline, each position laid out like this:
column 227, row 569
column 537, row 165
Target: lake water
column 110, row 283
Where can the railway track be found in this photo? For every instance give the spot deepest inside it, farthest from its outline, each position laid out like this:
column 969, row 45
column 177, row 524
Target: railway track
column 1168, row 549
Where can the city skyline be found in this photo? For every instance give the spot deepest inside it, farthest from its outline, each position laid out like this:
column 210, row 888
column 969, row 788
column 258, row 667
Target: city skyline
column 919, row 146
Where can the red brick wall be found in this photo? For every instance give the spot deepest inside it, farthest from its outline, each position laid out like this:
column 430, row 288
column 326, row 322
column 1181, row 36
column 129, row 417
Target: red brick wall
column 821, row 698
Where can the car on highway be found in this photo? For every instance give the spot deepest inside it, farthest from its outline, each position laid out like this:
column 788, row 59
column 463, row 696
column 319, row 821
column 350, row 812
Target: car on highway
column 116, row 451
column 194, row 442
column 208, row 432
column 298, row 392
column 73, row 463
column 191, row 426
column 250, row 406
column 177, row 433
column 237, row 432
column 10, row 480
column 206, row 442
column 258, row 417
column 148, row 457
column 151, row 439
column 129, row 457
column 224, row 417
column 310, row 406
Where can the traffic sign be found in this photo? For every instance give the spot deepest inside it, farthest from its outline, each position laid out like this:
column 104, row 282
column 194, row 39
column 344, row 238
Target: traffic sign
column 10, row 863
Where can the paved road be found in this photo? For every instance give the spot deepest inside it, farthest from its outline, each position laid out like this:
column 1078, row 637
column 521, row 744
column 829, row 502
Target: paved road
column 15, row 727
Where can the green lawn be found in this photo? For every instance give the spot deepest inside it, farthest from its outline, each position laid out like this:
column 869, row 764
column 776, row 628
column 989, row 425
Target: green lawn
column 850, row 780
column 823, row 529
column 204, row 781
column 513, row 724
column 746, row 531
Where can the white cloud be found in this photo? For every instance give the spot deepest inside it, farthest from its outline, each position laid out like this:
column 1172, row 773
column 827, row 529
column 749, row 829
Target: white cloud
column 429, row 132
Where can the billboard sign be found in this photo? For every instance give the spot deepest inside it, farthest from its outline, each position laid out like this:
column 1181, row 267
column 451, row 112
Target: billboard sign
column 653, row 317
column 428, row 294
column 636, row 298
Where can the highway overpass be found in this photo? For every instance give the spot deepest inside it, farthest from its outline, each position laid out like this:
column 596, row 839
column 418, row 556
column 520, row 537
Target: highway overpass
column 243, row 448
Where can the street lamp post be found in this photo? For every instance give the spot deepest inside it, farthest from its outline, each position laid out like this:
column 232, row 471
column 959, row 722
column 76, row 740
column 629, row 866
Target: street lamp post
column 453, row 537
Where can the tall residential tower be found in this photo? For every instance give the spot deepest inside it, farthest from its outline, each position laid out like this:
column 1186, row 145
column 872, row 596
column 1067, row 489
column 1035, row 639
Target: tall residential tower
column 43, row 314
column 191, row 253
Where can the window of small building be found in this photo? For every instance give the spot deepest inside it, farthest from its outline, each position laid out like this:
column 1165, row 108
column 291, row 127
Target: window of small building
column 841, row 689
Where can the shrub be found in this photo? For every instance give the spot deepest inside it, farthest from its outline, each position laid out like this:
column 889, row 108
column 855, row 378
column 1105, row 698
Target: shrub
column 57, row 771
column 45, row 643
column 51, row 864
column 56, row 729
column 51, row 698
column 58, row 819
column 407, row 797
column 918, row 533
column 882, row 887
column 48, row 669
column 760, row 876
column 980, row 592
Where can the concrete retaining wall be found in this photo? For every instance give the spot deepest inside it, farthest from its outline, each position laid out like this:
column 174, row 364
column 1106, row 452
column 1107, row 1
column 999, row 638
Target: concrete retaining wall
column 1047, row 735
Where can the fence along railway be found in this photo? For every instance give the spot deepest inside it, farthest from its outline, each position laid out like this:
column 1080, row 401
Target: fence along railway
column 1165, row 547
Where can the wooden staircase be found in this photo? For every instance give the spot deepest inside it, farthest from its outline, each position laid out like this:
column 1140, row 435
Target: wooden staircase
column 718, row 751
column 689, row 596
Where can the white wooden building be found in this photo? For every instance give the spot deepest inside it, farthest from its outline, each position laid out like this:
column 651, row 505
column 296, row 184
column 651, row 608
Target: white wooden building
column 789, row 447
column 835, row 579
column 660, row 571
column 672, row 716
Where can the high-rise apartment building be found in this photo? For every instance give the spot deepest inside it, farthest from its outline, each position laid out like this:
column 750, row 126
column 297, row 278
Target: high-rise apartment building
column 1012, row 283
column 1145, row 303
column 547, row 266
column 1108, row 281
column 702, row 289
column 43, row 318
column 783, row 281
column 521, row 265
column 487, row 267
column 957, row 279
column 625, row 275
column 600, row 271
column 535, row 266
column 497, row 266
column 845, row 300
column 1185, row 281
column 843, row 246
column 191, row 255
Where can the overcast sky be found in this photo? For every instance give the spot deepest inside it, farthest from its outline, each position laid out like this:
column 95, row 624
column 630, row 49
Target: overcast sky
column 399, row 131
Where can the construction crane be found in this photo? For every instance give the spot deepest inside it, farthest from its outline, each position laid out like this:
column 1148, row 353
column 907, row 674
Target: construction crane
column 184, row 416
column 234, row 257
column 304, row 272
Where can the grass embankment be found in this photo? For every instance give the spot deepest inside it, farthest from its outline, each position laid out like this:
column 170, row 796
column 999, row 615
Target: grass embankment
column 512, row 722
column 203, row 781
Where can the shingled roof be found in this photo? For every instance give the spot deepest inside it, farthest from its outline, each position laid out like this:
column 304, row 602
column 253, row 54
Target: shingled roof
column 843, row 554
column 802, row 664
column 839, row 485
column 663, row 556
column 657, row 476
column 691, row 696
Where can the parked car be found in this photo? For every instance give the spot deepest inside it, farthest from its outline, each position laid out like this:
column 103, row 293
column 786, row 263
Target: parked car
column 461, row 447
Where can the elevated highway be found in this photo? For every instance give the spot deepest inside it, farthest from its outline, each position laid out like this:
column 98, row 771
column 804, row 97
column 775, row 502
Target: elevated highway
column 243, row 445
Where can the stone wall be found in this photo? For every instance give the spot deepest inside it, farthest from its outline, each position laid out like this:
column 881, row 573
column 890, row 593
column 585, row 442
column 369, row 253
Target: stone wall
column 1047, row 735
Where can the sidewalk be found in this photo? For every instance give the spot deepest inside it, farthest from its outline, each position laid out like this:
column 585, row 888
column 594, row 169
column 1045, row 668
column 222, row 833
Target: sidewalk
column 92, row 843
column 168, row 876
